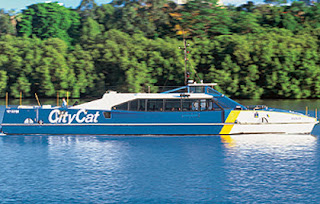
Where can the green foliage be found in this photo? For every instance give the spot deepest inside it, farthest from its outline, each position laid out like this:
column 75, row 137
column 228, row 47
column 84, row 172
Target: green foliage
column 205, row 18
column 34, row 66
column 276, row 1
column 104, row 14
column 6, row 26
column 90, row 30
column 245, row 22
column 251, row 51
column 134, row 62
column 49, row 20
column 86, row 8
column 82, row 64
column 3, row 82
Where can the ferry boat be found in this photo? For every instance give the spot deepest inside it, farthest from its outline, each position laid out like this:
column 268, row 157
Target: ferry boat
column 194, row 109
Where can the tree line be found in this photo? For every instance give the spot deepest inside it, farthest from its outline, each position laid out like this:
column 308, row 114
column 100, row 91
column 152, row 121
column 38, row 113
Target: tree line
column 251, row 51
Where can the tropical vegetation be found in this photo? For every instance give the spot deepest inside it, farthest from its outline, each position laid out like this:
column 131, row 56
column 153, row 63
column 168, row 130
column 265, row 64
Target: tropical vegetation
column 251, row 51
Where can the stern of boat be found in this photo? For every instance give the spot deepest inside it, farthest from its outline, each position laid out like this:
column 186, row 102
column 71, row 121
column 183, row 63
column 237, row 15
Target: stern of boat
column 268, row 121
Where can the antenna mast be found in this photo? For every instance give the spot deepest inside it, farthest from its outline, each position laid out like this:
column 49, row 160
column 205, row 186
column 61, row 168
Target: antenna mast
column 186, row 73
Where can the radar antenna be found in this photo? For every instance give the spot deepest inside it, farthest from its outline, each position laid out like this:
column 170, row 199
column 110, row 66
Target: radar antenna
column 186, row 61
column 186, row 75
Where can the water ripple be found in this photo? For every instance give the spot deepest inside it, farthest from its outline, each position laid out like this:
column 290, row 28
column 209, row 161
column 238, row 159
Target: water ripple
column 89, row 169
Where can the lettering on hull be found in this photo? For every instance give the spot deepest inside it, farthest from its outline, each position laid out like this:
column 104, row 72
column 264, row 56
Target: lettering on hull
column 56, row 116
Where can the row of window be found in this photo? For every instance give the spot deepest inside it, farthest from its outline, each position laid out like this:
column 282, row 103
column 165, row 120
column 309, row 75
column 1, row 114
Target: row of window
column 192, row 89
column 169, row 105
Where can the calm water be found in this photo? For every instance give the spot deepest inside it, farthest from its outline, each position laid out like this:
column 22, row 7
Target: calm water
column 213, row 169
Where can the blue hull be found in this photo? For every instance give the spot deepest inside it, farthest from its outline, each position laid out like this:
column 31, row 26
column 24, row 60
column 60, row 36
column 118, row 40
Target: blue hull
column 114, row 130
column 97, row 122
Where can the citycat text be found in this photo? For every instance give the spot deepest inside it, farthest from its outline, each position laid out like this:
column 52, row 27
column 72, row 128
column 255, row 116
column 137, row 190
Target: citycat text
column 56, row 116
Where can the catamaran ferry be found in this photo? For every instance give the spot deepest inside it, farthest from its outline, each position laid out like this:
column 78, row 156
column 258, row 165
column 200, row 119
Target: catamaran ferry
column 194, row 109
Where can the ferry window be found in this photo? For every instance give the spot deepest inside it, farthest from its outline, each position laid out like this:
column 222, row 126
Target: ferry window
column 133, row 105
column 223, row 102
column 155, row 105
column 190, row 104
column 203, row 104
column 142, row 104
column 172, row 105
column 211, row 105
column 123, row 106
column 107, row 114
column 195, row 105
column 197, row 89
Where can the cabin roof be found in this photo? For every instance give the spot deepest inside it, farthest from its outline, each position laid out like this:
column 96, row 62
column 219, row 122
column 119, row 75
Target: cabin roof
column 111, row 99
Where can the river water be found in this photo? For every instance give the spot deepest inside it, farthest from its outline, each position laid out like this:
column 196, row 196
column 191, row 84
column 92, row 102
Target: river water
column 198, row 169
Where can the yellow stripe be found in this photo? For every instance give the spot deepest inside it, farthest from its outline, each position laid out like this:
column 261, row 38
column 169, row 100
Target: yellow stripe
column 233, row 116
column 226, row 129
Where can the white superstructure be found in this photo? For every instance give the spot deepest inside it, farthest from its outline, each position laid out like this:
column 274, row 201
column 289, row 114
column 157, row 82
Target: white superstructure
column 112, row 98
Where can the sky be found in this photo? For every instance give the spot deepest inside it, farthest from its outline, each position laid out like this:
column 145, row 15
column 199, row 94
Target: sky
column 18, row 5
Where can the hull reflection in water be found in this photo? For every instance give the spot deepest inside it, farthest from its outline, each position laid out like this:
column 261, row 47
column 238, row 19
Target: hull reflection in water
column 265, row 141
column 272, row 168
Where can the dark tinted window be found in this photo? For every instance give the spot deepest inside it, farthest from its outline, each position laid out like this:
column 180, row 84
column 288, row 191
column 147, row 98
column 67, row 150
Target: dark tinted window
column 107, row 114
column 142, row 104
column 123, row 106
column 155, row 104
column 133, row 105
column 197, row 89
column 172, row 105
column 203, row 104
column 214, row 106
column 190, row 104
column 208, row 105
column 169, row 105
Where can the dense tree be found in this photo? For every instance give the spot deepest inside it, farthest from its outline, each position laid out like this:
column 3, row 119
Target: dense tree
column 87, row 8
column 136, row 62
column 3, row 82
column 245, row 22
column 33, row 66
column 90, row 30
column 249, row 7
column 6, row 26
column 82, row 64
column 104, row 15
column 276, row 1
column 205, row 18
column 49, row 20
column 251, row 51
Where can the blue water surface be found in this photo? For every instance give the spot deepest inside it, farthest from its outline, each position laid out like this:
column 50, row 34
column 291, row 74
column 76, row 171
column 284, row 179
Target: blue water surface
column 204, row 169
column 105, row 169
